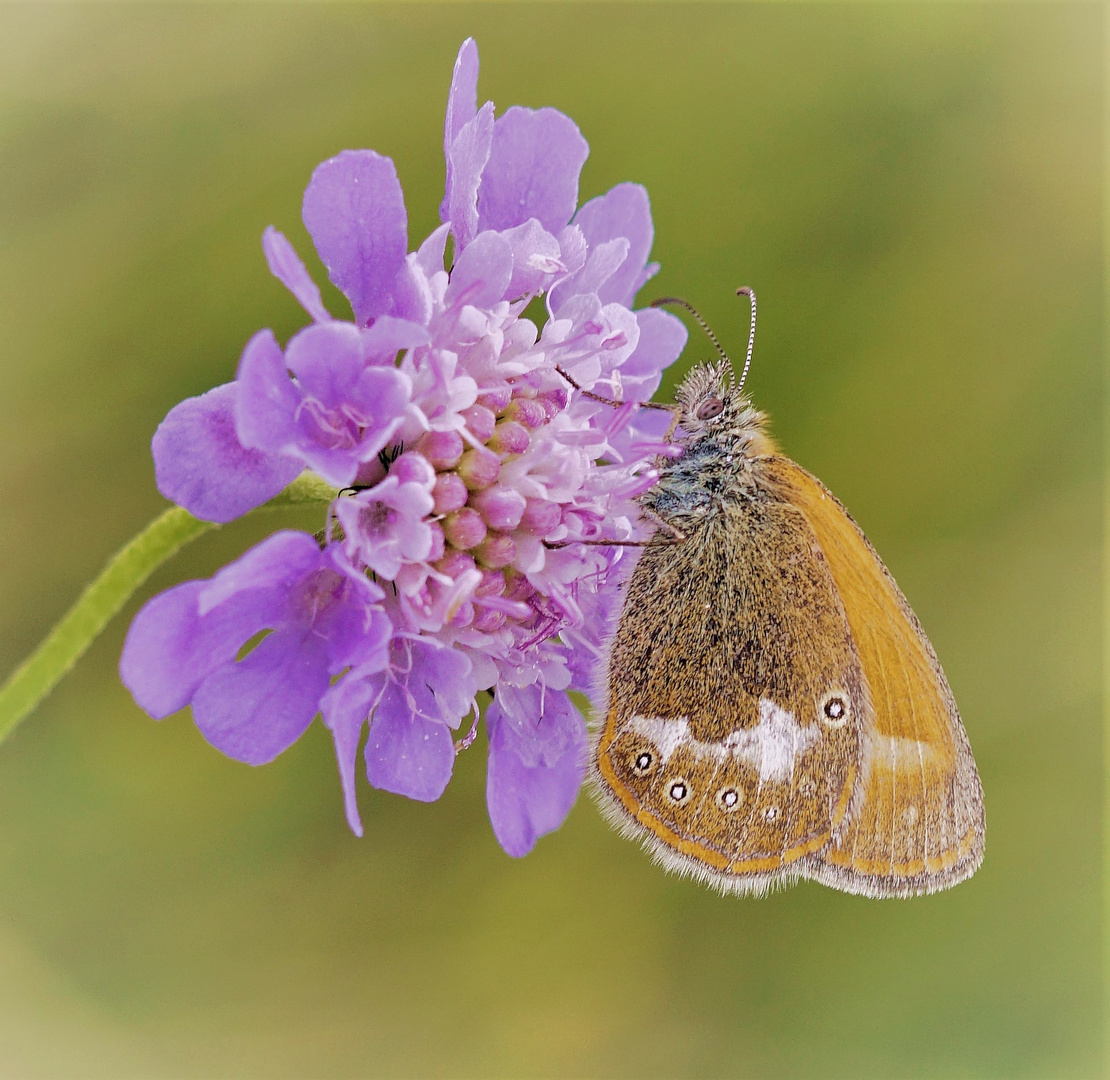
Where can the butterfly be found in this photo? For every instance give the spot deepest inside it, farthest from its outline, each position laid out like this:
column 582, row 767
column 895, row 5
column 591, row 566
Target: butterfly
column 774, row 710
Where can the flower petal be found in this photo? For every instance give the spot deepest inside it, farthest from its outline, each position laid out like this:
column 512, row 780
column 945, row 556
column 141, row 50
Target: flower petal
column 605, row 260
column 440, row 682
column 200, row 463
column 274, row 567
column 255, row 708
column 462, row 98
column 285, row 264
column 267, row 401
column 466, row 160
column 180, row 637
column 358, row 636
column 345, row 707
column 533, row 170
column 405, row 753
column 389, row 336
column 622, row 211
column 482, row 272
column 662, row 339
column 537, row 760
column 338, row 413
column 354, row 210
column 170, row 649
column 430, row 255
column 327, row 361
column 536, row 258
column 412, row 293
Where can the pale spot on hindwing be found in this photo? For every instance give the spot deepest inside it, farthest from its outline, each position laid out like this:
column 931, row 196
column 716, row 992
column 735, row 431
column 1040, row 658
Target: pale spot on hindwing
column 773, row 744
column 665, row 735
column 770, row 747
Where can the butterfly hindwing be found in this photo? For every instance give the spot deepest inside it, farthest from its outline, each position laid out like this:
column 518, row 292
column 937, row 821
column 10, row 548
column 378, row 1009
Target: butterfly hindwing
column 731, row 743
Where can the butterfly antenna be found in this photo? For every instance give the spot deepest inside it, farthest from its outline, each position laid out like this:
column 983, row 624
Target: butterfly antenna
column 703, row 324
column 745, row 290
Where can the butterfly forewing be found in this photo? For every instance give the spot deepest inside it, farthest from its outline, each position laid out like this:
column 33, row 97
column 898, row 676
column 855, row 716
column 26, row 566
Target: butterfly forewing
column 917, row 823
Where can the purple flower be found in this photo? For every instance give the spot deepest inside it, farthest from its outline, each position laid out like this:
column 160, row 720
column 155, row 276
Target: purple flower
column 471, row 471
column 334, row 414
column 386, row 525
column 323, row 617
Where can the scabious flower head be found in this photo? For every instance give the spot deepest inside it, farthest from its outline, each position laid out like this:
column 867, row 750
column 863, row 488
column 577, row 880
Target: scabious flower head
column 470, row 466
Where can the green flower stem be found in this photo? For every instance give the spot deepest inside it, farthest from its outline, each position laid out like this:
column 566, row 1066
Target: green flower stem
column 163, row 538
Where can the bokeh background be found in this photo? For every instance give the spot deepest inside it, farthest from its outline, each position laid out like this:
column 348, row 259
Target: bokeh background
column 915, row 192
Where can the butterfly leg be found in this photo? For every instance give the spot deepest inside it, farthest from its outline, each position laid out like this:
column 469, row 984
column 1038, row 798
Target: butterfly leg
column 615, row 404
column 661, row 523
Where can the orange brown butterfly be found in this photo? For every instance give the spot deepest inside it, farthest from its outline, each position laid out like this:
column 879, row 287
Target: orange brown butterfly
column 774, row 710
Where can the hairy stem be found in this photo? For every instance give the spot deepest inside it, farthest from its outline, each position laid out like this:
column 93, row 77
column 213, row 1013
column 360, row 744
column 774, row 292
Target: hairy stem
column 163, row 538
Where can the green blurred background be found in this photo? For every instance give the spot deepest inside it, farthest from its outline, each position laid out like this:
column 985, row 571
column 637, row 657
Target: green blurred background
column 915, row 193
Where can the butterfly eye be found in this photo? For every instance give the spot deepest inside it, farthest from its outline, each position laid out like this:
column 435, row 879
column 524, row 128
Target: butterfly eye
column 709, row 408
column 729, row 798
column 642, row 762
column 679, row 792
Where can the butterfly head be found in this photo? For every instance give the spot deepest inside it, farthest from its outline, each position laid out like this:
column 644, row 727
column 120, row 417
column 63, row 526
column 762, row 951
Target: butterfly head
column 713, row 407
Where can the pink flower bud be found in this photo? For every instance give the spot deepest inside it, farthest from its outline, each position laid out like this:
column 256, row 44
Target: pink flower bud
column 488, row 620
column 449, row 493
column 479, row 468
column 442, row 448
column 554, row 402
column 455, row 563
column 497, row 550
column 492, row 583
column 464, row 616
column 413, row 468
column 509, row 437
column 496, row 400
column 464, row 528
column 526, row 411
column 541, row 516
column 480, row 420
column 500, row 507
